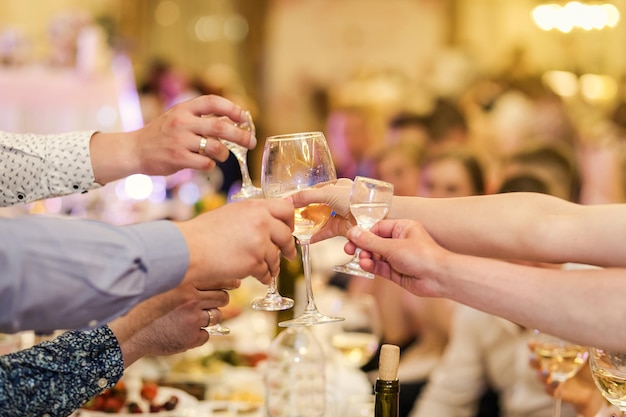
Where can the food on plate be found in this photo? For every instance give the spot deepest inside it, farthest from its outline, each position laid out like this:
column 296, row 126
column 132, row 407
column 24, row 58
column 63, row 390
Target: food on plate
column 215, row 362
column 117, row 400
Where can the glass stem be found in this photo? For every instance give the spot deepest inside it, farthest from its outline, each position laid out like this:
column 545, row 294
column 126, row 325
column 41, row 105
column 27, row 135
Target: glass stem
column 355, row 258
column 306, row 265
column 271, row 289
column 246, row 181
column 557, row 402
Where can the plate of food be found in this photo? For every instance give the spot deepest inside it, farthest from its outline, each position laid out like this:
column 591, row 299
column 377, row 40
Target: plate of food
column 152, row 399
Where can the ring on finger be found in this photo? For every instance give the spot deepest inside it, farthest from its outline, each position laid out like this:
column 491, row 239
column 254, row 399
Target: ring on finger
column 211, row 318
column 202, row 147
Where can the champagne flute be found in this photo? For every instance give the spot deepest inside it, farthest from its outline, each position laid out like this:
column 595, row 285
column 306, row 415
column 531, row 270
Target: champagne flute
column 248, row 190
column 370, row 201
column 293, row 162
column 560, row 358
column 608, row 369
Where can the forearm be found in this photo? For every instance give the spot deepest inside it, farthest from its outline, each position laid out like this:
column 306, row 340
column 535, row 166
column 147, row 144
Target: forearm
column 65, row 273
column 57, row 377
column 527, row 226
column 113, row 156
column 579, row 305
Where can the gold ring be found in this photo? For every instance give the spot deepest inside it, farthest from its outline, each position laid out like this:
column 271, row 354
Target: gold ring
column 202, row 147
column 210, row 323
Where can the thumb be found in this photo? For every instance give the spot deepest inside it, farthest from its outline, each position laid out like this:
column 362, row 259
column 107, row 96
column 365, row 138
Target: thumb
column 367, row 240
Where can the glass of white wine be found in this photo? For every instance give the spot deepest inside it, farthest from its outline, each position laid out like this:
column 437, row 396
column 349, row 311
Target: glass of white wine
column 248, row 190
column 293, row 162
column 608, row 369
column 559, row 358
column 370, row 200
column 358, row 338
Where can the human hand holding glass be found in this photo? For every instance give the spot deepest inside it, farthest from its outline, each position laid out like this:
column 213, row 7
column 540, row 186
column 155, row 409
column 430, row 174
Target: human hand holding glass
column 559, row 358
column 370, row 201
column 293, row 162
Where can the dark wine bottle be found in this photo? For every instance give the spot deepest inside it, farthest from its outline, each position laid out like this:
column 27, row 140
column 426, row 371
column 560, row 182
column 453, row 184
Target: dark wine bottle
column 387, row 386
column 290, row 272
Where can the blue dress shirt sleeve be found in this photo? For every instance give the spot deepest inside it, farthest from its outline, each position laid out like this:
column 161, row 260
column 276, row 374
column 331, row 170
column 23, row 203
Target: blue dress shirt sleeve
column 63, row 273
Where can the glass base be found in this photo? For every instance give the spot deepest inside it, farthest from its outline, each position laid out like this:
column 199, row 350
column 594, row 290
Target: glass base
column 309, row 318
column 274, row 302
column 353, row 268
column 217, row 330
column 247, row 193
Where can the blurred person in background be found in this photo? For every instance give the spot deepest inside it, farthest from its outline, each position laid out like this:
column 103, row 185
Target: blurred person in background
column 350, row 141
column 399, row 164
column 455, row 172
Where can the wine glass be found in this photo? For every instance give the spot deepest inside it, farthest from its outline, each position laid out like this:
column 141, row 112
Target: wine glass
column 293, row 162
column 608, row 369
column 370, row 201
column 358, row 337
column 559, row 358
column 248, row 190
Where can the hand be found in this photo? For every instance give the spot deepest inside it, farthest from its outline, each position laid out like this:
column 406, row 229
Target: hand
column 239, row 240
column 337, row 195
column 171, row 142
column 168, row 323
column 402, row 252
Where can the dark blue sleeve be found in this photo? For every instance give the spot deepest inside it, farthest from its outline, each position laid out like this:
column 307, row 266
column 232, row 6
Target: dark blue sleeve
column 56, row 377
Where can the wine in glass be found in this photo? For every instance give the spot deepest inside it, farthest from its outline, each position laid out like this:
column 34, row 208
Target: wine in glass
column 559, row 358
column 608, row 369
column 359, row 335
column 248, row 190
column 370, row 201
column 293, row 162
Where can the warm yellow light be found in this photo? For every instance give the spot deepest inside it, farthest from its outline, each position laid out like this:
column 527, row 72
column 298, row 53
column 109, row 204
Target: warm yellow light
column 563, row 83
column 166, row 13
column 575, row 14
column 545, row 15
column 598, row 88
column 612, row 15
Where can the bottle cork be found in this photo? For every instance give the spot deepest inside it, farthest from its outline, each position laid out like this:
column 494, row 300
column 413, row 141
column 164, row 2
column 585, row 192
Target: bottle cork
column 388, row 362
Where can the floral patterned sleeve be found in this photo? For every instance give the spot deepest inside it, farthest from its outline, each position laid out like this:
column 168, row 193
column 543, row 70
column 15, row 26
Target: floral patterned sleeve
column 40, row 166
column 56, row 377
